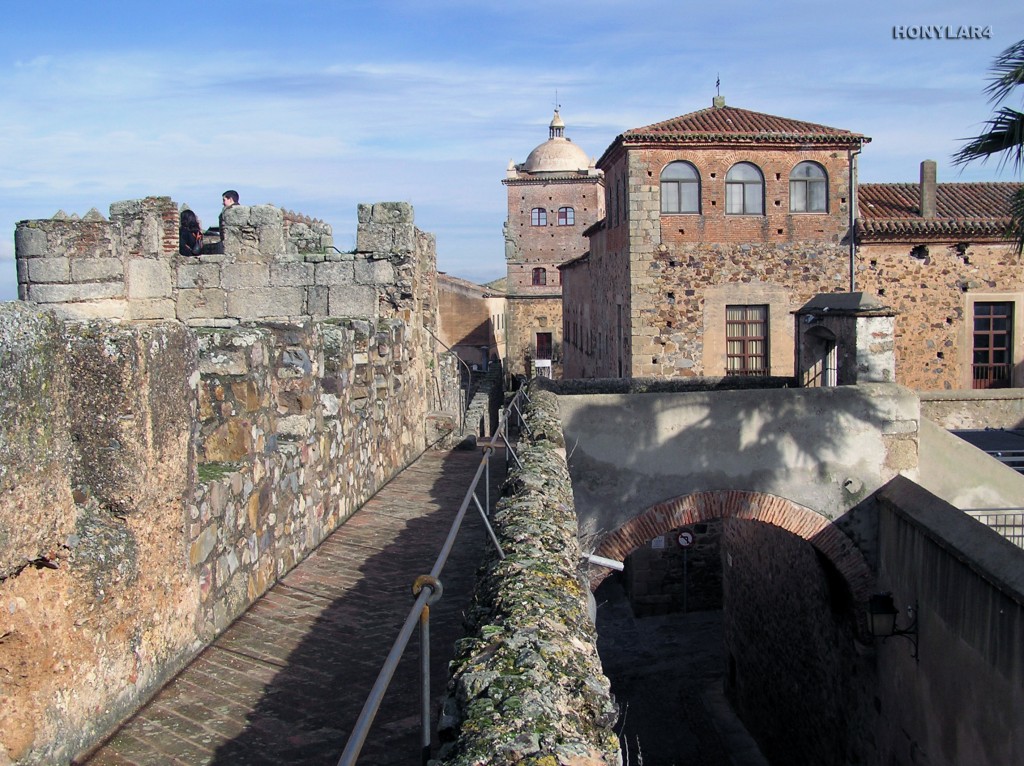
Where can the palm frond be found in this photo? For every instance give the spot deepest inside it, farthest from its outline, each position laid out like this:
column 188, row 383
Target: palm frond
column 1008, row 73
column 1004, row 136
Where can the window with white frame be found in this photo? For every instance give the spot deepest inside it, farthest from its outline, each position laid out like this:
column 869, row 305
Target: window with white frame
column 680, row 188
column 808, row 189
column 744, row 190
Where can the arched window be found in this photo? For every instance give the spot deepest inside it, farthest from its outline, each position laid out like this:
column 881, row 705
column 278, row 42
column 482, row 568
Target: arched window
column 680, row 188
column 566, row 216
column 540, row 276
column 808, row 189
column 539, row 216
column 744, row 190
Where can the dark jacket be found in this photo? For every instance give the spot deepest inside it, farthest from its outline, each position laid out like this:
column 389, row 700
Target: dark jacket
column 190, row 242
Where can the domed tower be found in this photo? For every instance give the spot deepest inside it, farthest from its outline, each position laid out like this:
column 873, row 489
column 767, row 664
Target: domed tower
column 553, row 197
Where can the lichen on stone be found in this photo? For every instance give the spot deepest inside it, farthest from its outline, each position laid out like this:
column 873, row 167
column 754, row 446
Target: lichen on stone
column 527, row 686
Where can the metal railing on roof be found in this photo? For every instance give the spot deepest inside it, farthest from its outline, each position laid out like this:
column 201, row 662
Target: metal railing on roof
column 428, row 589
column 1009, row 522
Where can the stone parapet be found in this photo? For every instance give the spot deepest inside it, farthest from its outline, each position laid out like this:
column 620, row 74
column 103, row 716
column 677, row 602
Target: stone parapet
column 270, row 265
column 527, row 685
column 974, row 409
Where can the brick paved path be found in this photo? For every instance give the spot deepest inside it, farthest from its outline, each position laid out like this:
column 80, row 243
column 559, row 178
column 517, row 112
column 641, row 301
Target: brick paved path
column 285, row 683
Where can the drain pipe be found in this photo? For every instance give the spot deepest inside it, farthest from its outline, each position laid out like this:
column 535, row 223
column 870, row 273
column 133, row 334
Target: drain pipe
column 605, row 562
column 852, row 160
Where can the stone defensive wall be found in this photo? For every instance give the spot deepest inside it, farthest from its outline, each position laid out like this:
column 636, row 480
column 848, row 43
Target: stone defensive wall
column 527, row 685
column 275, row 265
column 177, row 433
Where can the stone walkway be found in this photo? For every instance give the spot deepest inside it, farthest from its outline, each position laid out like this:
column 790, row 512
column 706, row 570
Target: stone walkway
column 286, row 682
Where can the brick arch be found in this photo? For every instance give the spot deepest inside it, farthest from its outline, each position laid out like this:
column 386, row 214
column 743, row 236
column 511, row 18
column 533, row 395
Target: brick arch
column 684, row 510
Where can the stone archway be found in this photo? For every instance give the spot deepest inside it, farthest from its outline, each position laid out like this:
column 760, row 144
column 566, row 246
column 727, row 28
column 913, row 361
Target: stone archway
column 684, row 510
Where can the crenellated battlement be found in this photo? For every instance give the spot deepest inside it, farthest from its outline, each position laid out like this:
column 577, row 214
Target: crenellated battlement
column 272, row 264
column 177, row 432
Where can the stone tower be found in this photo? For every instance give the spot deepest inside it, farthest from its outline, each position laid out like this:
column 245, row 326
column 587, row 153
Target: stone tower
column 553, row 197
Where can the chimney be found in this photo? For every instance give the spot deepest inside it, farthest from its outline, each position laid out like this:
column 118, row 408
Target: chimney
column 928, row 173
column 718, row 101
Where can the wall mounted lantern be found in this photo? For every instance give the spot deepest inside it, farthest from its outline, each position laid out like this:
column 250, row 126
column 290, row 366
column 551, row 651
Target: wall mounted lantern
column 882, row 614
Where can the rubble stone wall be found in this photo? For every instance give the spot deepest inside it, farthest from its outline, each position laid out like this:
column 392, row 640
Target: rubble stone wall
column 527, row 685
column 933, row 289
column 157, row 478
column 661, row 576
column 526, row 318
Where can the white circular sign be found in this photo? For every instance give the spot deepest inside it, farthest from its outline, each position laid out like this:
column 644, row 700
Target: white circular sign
column 685, row 539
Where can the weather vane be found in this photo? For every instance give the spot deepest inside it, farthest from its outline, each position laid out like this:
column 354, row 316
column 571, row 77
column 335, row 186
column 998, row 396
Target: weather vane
column 557, row 105
column 718, row 83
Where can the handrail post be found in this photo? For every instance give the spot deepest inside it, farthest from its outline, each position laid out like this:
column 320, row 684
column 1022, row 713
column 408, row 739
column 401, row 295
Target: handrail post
column 425, row 684
column 362, row 726
column 508, row 448
column 487, row 478
column 432, row 585
column 490, row 529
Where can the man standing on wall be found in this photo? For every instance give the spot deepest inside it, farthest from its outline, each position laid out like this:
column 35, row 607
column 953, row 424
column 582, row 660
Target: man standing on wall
column 229, row 198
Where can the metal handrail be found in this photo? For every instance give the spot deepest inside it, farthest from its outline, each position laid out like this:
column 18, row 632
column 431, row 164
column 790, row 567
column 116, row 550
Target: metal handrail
column 427, row 589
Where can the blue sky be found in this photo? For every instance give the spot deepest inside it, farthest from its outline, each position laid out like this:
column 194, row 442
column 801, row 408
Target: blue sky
column 317, row 106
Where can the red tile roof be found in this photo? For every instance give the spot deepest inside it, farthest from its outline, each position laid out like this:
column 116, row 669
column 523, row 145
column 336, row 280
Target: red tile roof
column 733, row 125
column 962, row 210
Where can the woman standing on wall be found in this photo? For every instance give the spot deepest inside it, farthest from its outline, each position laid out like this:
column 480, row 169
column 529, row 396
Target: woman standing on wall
column 190, row 234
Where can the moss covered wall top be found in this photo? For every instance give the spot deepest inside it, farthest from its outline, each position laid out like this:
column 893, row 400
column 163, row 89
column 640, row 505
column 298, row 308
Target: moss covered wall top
column 527, row 685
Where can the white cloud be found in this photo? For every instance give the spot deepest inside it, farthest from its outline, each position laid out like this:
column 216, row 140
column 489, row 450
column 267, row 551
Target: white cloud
column 328, row 105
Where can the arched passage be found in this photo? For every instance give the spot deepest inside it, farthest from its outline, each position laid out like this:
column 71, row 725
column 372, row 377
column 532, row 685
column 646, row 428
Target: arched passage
column 696, row 507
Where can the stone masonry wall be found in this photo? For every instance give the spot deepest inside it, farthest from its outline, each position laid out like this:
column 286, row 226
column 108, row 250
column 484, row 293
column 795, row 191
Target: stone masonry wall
column 275, row 265
column 671, row 295
column 298, row 424
column 155, row 478
column 527, row 685
column 100, row 605
column 526, row 318
column 663, row 577
column 994, row 408
column 797, row 677
column 597, row 322
column 932, row 291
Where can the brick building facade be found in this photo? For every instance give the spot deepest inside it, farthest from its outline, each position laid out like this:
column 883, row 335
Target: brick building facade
column 553, row 197
column 722, row 222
